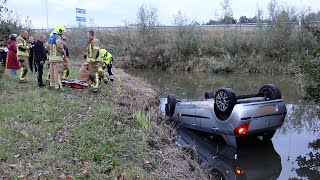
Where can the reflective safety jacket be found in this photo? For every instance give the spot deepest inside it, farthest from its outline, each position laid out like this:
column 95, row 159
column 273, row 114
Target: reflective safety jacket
column 107, row 59
column 93, row 51
column 22, row 47
column 56, row 51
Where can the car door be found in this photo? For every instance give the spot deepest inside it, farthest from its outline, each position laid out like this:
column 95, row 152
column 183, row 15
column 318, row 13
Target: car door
column 187, row 115
column 205, row 120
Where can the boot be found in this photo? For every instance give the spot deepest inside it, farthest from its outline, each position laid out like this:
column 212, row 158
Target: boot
column 22, row 76
column 92, row 79
column 48, row 78
column 22, row 80
column 40, row 82
column 65, row 74
column 111, row 78
column 105, row 80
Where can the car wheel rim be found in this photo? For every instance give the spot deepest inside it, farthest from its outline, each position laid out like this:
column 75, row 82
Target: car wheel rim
column 222, row 101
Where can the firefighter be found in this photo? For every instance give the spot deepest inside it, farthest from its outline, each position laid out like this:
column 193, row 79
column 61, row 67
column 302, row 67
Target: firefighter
column 66, row 61
column 56, row 57
column 47, row 48
column 23, row 55
column 107, row 59
column 94, row 61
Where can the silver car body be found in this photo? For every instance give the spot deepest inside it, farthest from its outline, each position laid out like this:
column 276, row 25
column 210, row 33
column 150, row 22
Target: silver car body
column 262, row 117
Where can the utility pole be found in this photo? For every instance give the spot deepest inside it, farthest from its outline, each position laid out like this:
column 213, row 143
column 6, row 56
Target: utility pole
column 47, row 15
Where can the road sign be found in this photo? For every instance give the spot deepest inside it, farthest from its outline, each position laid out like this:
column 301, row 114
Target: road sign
column 80, row 11
column 80, row 19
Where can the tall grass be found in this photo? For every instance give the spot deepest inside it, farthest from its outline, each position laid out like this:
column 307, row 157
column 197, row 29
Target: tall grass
column 279, row 47
column 143, row 119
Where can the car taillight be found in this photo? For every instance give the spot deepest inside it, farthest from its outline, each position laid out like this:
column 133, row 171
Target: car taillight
column 241, row 130
column 239, row 170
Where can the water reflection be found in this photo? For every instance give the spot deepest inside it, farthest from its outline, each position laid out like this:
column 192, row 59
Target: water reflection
column 193, row 85
column 302, row 118
column 257, row 161
column 309, row 164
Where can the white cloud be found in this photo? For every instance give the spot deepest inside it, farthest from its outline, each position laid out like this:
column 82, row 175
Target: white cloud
column 113, row 12
column 25, row 2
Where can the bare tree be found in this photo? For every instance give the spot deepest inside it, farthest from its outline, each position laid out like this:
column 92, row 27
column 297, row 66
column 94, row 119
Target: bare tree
column 226, row 8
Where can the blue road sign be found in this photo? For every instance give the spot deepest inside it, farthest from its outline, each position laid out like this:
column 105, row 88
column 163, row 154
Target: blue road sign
column 80, row 11
column 80, row 19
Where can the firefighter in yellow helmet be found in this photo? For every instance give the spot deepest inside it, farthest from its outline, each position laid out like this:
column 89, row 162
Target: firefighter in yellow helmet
column 107, row 59
column 56, row 57
column 23, row 54
column 94, row 61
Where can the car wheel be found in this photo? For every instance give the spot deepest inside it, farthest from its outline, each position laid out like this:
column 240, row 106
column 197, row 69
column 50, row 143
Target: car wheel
column 268, row 136
column 171, row 104
column 209, row 95
column 225, row 100
column 270, row 91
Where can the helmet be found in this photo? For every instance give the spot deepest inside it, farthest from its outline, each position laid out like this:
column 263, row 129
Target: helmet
column 53, row 32
column 13, row 36
column 59, row 29
column 103, row 52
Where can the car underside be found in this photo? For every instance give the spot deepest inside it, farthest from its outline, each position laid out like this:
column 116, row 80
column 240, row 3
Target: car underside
column 233, row 117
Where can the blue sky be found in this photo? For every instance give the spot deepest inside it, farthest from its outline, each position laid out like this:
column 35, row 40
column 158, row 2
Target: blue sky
column 115, row 12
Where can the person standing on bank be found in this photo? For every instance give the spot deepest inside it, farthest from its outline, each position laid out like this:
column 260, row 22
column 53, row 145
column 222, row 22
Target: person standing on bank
column 40, row 56
column 56, row 57
column 23, row 54
column 94, row 61
column 32, row 64
column 12, row 62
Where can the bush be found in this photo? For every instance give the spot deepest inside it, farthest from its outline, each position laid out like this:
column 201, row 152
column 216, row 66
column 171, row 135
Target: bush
column 312, row 71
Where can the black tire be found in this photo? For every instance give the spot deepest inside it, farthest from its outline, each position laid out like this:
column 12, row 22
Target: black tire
column 209, row 95
column 171, row 105
column 224, row 100
column 270, row 91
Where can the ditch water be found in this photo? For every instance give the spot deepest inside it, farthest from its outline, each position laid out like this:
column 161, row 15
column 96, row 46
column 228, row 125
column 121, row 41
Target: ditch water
column 293, row 153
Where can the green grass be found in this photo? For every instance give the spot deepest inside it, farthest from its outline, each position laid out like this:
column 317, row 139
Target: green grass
column 53, row 134
column 143, row 119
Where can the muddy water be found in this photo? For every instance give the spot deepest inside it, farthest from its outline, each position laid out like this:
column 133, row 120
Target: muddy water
column 294, row 151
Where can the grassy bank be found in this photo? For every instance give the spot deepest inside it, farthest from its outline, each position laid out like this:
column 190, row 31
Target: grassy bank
column 270, row 50
column 116, row 134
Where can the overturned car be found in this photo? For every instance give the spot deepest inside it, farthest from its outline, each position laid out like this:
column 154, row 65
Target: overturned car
column 235, row 118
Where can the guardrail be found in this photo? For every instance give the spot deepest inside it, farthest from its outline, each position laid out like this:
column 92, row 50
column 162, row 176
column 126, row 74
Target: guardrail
column 238, row 25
